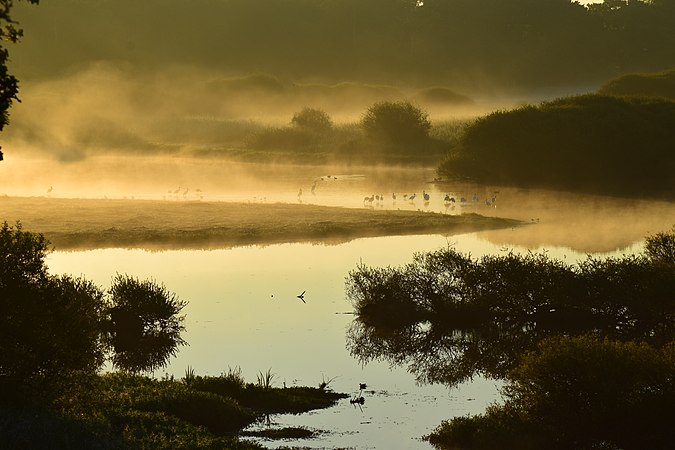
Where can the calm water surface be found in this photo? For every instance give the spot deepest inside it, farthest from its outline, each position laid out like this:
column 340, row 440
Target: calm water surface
column 243, row 311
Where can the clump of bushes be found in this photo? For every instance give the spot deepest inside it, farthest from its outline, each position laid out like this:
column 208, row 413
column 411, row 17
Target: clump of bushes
column 577, row 392
column 590, row 143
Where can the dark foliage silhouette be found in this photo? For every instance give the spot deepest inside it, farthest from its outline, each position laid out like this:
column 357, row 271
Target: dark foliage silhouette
column 586, row 143
column 145, row 328
column 52, row 327
column 448, row 317
column 586, row 350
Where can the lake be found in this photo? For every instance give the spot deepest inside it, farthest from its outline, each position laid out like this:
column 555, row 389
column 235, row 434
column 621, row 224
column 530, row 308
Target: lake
column 244, row 311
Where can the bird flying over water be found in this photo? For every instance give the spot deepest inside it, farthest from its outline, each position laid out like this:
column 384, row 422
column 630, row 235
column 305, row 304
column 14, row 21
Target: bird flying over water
column 302, row 297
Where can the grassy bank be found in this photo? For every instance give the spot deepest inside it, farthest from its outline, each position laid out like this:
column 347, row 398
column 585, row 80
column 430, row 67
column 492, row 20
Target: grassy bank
column 72, row 224
column 122, row 411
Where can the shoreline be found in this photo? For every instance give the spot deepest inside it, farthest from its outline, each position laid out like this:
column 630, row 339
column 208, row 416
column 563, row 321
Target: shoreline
column 86, row 224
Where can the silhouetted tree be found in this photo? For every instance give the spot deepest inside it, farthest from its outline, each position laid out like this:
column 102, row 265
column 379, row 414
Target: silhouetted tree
column 661, row 84
column 661, row 247
column 49, row 326
column 145, row 328
column 396, row 123
column 312, row 119
column 591, row 143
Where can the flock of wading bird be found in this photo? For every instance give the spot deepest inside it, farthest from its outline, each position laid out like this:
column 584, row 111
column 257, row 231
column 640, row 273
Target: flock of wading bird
column 448, row 200
column 370, row 201
column 380, row 200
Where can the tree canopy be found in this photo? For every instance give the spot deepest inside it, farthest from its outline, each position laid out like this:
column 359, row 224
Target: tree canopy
column 660, row 84
column 396, row 123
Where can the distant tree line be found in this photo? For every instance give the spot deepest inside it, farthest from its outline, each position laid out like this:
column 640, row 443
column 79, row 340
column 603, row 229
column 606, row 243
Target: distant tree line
column 517, row 45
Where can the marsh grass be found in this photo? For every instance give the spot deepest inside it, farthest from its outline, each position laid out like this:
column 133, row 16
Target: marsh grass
column 262, row 396
column 325, row 382
column 119, row 411
column 76, row 224
column 189, row 375
column 265, row 379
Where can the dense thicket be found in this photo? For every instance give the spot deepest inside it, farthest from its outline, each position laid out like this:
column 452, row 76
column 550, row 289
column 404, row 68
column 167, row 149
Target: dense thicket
column 448, row 316
column 617, row 145
column 512, row 44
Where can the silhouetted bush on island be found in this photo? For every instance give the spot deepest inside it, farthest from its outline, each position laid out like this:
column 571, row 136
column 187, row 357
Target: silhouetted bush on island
column 589, row 143
column 389, row 132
